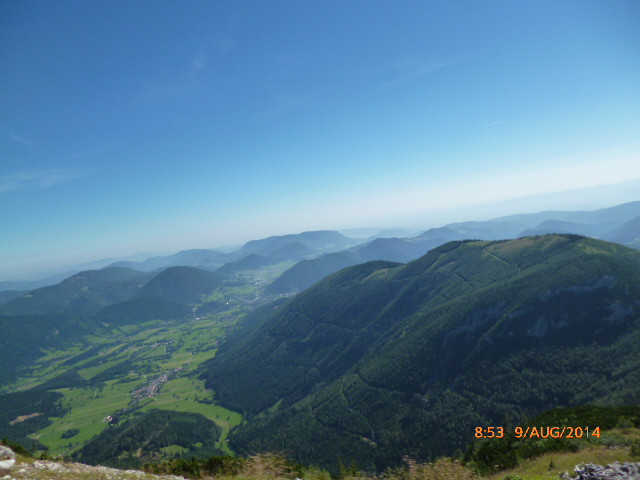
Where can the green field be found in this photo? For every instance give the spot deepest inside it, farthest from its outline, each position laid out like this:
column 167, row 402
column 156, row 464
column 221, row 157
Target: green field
column 129, row 360
column 188, row 395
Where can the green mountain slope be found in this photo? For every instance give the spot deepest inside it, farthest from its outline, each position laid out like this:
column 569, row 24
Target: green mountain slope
column 81, row 294
column 181, row 284
column 249, row 262
column 627, row 233
column 320, row 240
column 8, row 295
column 307, row 272
column 23, row 338
column 138, row 310
column 142, row 438
column 291, row 251
column 22, row 413
column 380, row 360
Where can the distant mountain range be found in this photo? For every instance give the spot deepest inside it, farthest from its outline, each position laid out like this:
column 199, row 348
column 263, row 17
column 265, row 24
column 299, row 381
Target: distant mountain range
column 330, row 250
column 620, row 223
column 321, row 240
column 307, row 272
column 391, row 347
column 381, row 359
column 253, row 254
column 80, row 294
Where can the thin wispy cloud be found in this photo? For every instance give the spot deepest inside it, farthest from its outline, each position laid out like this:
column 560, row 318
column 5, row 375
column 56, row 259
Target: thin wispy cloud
column 22, row 140
column 411, row 68
column 183, row 87
column 198, row 65
column 37, row 179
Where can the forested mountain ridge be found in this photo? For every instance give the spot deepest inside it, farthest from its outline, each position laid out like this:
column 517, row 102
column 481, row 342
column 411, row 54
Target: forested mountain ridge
column 88, row 292
column 83, row 293
column 328, row 240
column 382, row 360
column 146, row 433
column 307, row 272
column 181, row 284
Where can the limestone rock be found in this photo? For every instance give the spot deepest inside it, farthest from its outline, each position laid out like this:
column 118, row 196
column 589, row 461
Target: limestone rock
column 7, row 458
column 613, row 471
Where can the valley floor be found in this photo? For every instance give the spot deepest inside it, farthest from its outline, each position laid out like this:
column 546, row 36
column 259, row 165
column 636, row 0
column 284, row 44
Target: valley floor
column 132, row 369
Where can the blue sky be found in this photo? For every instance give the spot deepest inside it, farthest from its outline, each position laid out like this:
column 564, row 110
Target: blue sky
column 137, row 126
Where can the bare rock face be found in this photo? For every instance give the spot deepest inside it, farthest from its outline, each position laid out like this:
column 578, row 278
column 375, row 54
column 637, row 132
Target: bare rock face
column 613, row 471
column 7, row 458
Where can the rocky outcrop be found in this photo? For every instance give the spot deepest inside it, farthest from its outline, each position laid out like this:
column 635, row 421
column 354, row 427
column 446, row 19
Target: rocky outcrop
column 20, row 468
column 7, row 459
column 613, row 471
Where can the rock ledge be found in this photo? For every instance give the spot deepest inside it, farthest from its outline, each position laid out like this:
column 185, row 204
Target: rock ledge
column 613, row 471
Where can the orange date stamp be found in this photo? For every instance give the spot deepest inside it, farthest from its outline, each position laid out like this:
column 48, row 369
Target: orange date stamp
column 539, row 432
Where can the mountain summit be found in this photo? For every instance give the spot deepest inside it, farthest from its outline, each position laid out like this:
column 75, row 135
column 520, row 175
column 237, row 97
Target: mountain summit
column 382, row 360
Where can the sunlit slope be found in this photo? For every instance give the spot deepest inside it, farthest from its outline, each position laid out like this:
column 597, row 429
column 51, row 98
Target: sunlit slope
column 381, row 360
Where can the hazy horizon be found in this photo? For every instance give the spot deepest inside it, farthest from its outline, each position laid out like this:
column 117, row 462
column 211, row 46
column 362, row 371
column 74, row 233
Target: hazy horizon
column 161, row 126
column 580, row 199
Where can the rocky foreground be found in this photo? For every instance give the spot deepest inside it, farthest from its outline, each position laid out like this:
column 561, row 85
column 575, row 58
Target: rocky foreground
column 613, row 471
column 14, row 467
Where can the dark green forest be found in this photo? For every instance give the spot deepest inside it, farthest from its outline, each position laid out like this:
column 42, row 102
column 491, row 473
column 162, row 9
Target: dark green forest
column 138, row 439
column 383, row 360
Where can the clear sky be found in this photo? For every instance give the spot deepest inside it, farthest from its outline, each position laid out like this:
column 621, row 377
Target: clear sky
column 154, row 125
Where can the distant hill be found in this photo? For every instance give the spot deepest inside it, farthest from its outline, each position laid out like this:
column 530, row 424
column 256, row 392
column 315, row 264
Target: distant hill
column 202, row 258
column 561, row 226
column 616, row 214
column 7, row 295
column 250, row 262
column 181, row 284
column 81, row 294
column 291, row 251
column 28, row 285
column 489, row 230
column 307, row 272
column 392, row 249
column 628, row 233
column 320, row 240
column 371, row 233
column 592, row 223
column 382, row 360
